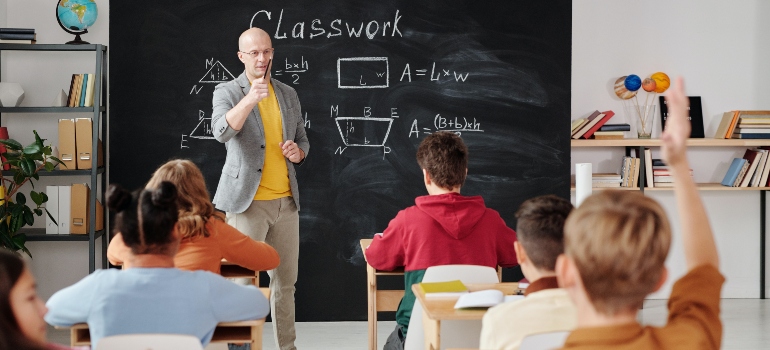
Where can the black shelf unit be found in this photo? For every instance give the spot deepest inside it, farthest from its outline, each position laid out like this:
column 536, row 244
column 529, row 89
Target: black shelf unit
column 99, row 116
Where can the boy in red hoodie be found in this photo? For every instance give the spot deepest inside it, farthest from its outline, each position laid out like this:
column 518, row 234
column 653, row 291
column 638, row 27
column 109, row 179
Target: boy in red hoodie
column 442, row 228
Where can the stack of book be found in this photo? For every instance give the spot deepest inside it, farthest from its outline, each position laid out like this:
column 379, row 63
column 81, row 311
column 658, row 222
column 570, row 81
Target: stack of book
column 744, row 125
column 606, row 180
column 586, row 127
column 629, row 171
column 81, row 93
column 612, row 132
column 661, row 175
column 750, row 171
column 17, row 36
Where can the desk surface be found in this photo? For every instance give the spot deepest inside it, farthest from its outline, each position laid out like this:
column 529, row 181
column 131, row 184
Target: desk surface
column 444, row 308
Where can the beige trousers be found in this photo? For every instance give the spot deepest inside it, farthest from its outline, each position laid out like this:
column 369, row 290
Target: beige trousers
column 276, row 222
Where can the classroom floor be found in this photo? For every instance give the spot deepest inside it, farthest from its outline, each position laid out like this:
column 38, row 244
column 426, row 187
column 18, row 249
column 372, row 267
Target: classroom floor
column 746, row 322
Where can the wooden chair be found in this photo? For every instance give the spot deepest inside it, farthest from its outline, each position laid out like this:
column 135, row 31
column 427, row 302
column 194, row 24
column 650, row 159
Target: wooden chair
column 150, row 341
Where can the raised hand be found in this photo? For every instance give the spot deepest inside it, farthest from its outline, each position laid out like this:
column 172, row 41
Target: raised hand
column 674, row 138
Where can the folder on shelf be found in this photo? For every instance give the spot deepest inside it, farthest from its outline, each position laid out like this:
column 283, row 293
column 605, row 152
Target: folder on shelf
column 65, row 195
column 67, row 147
column 83, row 141
column 52, row 206
column 80, row 214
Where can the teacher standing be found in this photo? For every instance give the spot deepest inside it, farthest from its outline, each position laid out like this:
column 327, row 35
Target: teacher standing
column 259, row 121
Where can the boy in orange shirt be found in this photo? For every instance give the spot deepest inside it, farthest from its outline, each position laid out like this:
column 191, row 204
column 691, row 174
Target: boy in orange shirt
column 616, row 244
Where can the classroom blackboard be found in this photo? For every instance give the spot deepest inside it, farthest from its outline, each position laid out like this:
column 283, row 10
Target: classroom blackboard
column 373, row 77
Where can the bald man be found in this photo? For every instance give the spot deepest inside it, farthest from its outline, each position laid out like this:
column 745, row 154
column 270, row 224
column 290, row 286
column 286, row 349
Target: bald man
column 259, row 121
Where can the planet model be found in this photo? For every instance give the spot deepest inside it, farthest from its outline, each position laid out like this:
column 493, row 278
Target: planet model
column 621, row 90
column 649, row 84
column 633, row 82
column 661, row 82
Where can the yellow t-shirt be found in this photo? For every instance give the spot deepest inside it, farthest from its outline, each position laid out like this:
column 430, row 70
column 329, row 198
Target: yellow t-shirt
column 275, row 174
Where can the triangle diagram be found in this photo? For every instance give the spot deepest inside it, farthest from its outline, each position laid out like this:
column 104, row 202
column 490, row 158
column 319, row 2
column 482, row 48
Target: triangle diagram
column 203, row 130
column 217, row 74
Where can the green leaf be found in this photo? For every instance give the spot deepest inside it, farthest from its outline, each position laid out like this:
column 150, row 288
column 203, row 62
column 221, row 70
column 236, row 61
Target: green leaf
column 57, row 160
column 26, row 169
column 49, row 166
column 45, row 197
column 36, row 197
column 32, row 149
column 29, row 218
column 38, row 140
column 47, row 150
column 21, row 199
column 16, row 223
column 12, row 144
column 38, row 211
column 51, row 216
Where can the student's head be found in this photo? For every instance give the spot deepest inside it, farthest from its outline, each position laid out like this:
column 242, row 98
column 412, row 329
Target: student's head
column 443, row 158
column 615, row 243
column 21, row 311
column 193, row 200
column 255, row 50
column 146, row 218
column 540, row 233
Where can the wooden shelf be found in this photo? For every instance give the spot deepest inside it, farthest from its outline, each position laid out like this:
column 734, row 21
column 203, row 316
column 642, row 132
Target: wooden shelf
column 708, row 186
column 657, row 143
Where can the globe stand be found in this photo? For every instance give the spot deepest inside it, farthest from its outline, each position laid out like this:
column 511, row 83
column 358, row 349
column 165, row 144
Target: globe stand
column 78, row 41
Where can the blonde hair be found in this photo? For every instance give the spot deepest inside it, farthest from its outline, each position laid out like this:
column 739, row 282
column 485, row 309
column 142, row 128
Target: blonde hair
column 619, row 241
column 194, row 203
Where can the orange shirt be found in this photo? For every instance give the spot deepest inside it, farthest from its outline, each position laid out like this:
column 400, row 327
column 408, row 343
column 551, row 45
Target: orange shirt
column 275, row 175
column 206, row 253
column 693, row 320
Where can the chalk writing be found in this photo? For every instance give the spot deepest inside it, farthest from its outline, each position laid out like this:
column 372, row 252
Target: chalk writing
column 294, row 69
column 363, row 29
column 435, row 75
column 457, row 125
column 363, row 73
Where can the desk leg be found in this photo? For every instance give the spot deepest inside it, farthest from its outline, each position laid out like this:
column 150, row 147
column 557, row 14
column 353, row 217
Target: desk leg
column 256, row 337
column 371, row 297
column 432, row 329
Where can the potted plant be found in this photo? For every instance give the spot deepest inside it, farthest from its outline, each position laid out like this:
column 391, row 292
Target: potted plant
column 23, row 163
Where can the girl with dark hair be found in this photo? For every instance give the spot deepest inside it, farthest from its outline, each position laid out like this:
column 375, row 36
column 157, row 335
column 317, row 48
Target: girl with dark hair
column 22, row 326
column 152, row 296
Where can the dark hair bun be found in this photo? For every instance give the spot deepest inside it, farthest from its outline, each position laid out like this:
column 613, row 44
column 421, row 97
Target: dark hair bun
column 165, row 194
column 118, row 199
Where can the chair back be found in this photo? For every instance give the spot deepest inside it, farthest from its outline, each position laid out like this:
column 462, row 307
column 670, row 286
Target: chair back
column 149, row 342
column 456, row 334
column 544, row 341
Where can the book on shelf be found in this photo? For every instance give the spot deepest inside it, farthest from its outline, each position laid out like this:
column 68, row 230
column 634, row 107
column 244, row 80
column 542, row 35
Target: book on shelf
column 443, row 289
column 590, row 121
column 760, row 168
column 727, row 129
column 752, row 130
column 753, row 158
column 577, row 123
column 635, row 176
column 765, row 135
column 609, row 133
column 696, row 116
column 648, row 167
column 17, row 31
column 90, row 91
column 605, row 184
column 766, row 170
column 615, row 127
column 14, row 41
column 18, row 36
column 484, row 298
column 664, row 184
column 741, row 174
column 75, row 90
column 624, row 171
column 663, row 178
column 605, row 116
column 605, row 176
column 82, row 98
column 656, row 162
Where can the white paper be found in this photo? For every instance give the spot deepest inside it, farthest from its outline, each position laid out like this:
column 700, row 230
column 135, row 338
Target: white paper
column 583, row 182
column 483, row 298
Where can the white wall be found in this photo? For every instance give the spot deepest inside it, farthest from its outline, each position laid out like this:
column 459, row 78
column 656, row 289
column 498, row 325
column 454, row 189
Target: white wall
column 721, row 48
column 42, row 75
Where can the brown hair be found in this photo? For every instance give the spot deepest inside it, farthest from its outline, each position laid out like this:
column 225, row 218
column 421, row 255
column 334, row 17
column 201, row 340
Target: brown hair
column 619, row 241
column 11, row 268
column 540, row 229
column 445, row 157
column 146, row 218
column 194, row 203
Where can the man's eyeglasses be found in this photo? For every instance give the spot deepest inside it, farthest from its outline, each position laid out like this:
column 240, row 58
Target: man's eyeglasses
column 255, row 54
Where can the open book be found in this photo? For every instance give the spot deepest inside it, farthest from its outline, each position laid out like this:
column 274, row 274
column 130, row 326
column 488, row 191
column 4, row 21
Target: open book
column 484, row 298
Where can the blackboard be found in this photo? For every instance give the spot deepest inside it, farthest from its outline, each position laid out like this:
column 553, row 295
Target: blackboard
column 373, row 80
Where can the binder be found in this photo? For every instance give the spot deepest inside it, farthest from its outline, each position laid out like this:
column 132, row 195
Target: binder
column 83, row 141
column 80, row 214
column 67, row 146
column 65, row 196
column 52, row 206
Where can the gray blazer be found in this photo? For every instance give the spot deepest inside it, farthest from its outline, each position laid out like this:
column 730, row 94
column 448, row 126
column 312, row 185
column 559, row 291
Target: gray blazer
column 246, row 147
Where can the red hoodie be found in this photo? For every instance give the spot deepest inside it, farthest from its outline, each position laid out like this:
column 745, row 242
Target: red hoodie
column 444, row 229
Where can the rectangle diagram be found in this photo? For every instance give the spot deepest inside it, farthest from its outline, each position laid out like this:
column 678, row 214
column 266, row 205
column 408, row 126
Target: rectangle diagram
column 363, row 73
column 368, row 132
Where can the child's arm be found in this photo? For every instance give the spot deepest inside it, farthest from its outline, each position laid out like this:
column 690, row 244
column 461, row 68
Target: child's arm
column 698, row 240
column 387, row 249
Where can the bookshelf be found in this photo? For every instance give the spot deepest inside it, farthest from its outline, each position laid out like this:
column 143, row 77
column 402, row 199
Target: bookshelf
column 641, row 144
column 97, row 175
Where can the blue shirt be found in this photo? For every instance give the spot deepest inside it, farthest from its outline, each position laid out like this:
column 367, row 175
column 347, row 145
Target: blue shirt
column 154, row 300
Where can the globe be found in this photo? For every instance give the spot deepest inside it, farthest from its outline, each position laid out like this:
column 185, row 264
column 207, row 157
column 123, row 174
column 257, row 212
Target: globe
column 76, row 16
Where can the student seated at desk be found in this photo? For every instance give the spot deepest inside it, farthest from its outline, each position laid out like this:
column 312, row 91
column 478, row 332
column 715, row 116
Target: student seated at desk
column 442, row 228
column 206, row 238
column 616, row 243
column 22, row 326
column 546, row 308
column 152, row 296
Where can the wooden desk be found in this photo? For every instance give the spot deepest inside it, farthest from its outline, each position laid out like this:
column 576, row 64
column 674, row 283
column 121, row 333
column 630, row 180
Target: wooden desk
column 378, row 300
column 436, row 310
